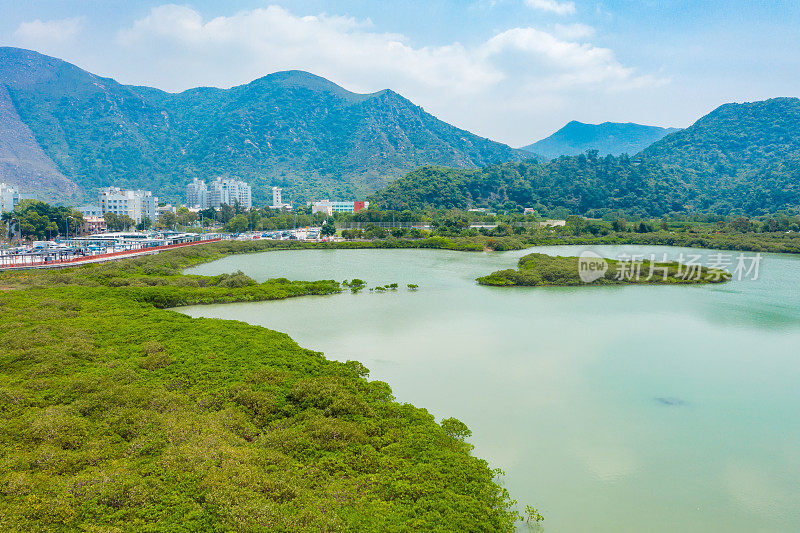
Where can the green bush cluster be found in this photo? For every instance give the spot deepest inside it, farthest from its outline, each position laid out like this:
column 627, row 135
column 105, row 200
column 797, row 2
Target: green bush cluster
column 116, row 414
column 542, row 270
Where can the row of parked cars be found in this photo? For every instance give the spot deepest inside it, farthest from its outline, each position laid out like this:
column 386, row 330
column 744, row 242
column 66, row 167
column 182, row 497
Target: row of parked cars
column 280, row 235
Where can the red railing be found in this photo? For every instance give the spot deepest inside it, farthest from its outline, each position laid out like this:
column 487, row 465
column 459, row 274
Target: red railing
column 110, row 255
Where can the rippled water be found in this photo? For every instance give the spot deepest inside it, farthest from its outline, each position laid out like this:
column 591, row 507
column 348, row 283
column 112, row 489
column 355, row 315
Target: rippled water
column 610, row 408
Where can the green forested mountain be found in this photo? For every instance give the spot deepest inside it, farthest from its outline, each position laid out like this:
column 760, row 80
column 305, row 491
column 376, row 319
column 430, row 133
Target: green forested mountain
column 582, row 185
column 741, row 158
column 64, row 132
column 743, row 155
column 289, row 128
column 614, row 138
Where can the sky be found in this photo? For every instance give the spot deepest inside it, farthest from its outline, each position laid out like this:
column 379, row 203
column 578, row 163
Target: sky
column 511, row 70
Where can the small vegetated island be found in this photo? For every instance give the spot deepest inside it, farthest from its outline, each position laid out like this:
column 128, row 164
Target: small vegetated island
column 545, row 270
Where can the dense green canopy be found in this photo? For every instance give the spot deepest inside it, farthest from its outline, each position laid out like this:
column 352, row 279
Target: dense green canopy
column 116, row 414
column 741, row 158
column 38, row 220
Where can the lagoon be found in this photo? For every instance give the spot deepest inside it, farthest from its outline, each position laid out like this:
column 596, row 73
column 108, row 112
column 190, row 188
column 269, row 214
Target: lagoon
column 635, row 408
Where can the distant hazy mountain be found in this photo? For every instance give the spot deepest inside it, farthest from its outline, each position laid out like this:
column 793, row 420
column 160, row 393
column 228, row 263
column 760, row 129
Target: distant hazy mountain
column 65, row 132
column 613, row 138
column 740, row 158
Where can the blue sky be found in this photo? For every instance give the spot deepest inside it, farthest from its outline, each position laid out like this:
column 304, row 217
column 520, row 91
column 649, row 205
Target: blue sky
column 511, row 70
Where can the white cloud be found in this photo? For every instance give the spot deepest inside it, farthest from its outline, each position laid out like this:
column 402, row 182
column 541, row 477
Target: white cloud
column 272, row 38
column 573, row 32
column 552, row 6
column 47, row 34
column 549, row 61
column 488, row 86
column 260, row 41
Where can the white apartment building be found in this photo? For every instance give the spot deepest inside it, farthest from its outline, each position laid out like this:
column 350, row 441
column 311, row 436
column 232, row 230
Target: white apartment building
column 229, row 191
column 9, row 198
column 277, row 201
column 218, row 192
column 90, row 210
column 137, row 204
column 197, row 194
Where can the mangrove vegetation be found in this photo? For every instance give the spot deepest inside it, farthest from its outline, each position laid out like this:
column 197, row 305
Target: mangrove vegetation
column 119, row 414
column 536, row 270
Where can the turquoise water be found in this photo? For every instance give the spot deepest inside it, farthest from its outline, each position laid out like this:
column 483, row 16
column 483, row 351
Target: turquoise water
column 610, row 408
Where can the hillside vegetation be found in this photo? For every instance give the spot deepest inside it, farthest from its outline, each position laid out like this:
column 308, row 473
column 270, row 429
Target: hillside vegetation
column 739, row 159
column 744, row 156
column 578, row 184
column 291, row 129
column 120, row 415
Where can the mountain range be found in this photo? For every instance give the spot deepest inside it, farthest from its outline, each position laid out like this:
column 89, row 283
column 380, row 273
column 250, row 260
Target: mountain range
column 64, row 132
column 738, row 159
column 614, row 138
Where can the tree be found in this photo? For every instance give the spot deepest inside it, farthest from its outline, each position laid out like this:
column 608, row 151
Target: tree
column 451, row 224
column 352, row 234
column 128, row 222
column 645, row 227
column 167, row 220
column 35, row 219
column 186, row 217
column 532, row 515
column 145, row 224
column 355, row 285
column 237, row 224
column 328, row 228
column 503, row 229
column 73, row 221
column 741, row 224
column 374, row 231
column 455, row 428
column 207, row 215
column 256, row 219
column 226, row 213
column 113, row 221
column 597, row 228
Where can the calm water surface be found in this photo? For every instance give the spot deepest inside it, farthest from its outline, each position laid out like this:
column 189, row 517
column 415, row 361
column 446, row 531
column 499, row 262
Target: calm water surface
column 611, row 409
